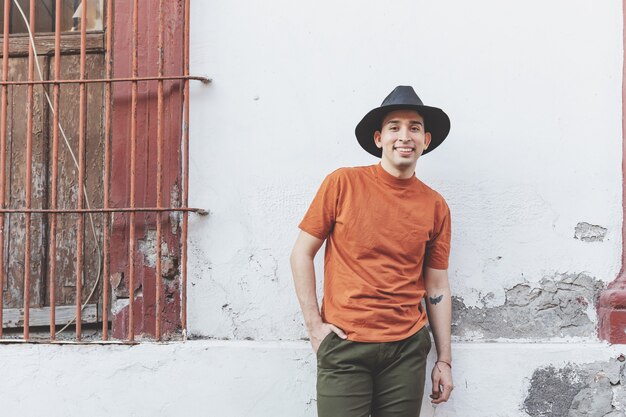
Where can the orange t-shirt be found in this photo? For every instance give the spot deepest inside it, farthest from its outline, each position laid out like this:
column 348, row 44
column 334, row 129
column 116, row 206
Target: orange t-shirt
column 380, row 233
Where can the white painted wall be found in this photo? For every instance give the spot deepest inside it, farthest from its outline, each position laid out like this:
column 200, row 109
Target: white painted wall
column 245, row 379
column 533, row 89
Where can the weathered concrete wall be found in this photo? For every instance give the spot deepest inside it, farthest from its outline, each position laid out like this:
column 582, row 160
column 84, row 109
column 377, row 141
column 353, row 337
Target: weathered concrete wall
column 594, row 389
column 531, row 170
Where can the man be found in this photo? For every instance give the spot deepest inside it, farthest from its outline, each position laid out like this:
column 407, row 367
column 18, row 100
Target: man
column 387, row 246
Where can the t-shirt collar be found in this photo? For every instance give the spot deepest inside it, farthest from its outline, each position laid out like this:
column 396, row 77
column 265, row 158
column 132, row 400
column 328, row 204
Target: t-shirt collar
column 391, row 180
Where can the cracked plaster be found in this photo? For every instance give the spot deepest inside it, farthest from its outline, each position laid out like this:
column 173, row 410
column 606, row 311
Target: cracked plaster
column 555, row 307
column 589, row 232
column 577, row 390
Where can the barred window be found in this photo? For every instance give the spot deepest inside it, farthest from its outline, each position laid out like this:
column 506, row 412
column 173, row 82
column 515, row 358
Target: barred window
column 93, row 180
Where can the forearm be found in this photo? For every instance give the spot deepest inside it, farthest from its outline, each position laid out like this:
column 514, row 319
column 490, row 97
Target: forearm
column 439, row 305
column 440, row 318
column 303, row 272
column 304, row 281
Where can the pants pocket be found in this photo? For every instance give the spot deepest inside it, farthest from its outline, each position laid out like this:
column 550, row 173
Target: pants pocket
column 324, row 343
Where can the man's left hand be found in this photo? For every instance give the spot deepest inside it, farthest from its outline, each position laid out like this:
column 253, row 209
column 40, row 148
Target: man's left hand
column 442, row 383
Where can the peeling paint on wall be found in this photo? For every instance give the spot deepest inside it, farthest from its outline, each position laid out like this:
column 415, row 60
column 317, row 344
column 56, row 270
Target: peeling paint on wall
column 555, row 307
column 175, row 216
column 552, row 391
column 589, row 232
column 592, row 390
column 147, row 247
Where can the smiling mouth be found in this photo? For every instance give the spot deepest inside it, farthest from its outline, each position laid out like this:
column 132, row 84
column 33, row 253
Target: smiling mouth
column 404, row 150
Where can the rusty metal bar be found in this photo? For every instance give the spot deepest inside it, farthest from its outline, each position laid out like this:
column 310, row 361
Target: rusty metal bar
column 133, row 151
column 3, row 146
column 185, row 171
column 204, row 80
column 55, row 173
column 66, row 342
column 159, row 178
column 29, row 168
column 107, row 171
column 80, row 222
column 199, row 211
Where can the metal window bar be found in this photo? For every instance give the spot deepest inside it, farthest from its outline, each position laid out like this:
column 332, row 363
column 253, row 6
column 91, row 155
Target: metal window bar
column 53, row 211
column 29, row 171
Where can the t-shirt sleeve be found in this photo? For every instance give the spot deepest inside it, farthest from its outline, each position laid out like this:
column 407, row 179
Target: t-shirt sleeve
column 438, row 247
column 320, row 217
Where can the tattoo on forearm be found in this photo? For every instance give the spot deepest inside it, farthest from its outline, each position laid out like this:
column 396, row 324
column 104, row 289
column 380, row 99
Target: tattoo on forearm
column 435, row 300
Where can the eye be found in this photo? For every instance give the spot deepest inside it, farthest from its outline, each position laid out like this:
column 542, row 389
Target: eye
column 393, row 128
column 415, row 129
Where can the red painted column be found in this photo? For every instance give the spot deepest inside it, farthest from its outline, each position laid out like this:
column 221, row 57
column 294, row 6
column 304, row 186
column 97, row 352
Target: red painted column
column 612, row 302
column 146, row 166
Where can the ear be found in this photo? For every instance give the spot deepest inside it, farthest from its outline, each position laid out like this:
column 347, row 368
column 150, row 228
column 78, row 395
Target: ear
column 427, row 138
column 377, row 141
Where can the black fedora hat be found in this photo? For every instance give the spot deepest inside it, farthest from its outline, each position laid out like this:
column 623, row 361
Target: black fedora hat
column 402, row 97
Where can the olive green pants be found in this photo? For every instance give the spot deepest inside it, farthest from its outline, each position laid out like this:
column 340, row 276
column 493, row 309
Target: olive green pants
column 357, row 379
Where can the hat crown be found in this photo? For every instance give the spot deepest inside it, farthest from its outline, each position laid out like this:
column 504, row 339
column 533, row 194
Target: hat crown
column 402, row 95
column 437, row 122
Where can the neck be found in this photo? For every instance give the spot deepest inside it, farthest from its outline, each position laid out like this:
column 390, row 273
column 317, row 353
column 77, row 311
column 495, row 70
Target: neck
column 400, row 173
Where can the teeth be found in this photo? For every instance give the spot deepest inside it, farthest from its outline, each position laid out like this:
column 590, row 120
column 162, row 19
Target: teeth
column 405, row 149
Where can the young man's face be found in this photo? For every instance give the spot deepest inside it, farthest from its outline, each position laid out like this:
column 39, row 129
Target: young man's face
column 402, row 139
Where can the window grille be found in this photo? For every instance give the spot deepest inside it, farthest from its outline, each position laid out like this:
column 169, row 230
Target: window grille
column 71, row 198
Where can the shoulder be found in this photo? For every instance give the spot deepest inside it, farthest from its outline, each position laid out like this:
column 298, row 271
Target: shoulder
column 438, row 200
column 350, row 173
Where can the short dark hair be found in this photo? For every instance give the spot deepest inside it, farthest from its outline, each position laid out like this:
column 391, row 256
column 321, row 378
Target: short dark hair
column 382, row 117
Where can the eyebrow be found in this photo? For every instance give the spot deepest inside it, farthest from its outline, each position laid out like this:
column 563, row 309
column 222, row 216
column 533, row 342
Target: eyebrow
column 413, row 122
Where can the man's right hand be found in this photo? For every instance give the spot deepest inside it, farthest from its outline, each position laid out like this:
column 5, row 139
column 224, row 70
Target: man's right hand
column 319, row 332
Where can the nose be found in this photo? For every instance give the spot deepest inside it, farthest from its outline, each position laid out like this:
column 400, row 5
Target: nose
column 403, row 134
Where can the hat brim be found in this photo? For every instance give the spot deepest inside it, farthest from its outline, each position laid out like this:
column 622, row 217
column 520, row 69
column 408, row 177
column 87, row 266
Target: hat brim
column 436, row 120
